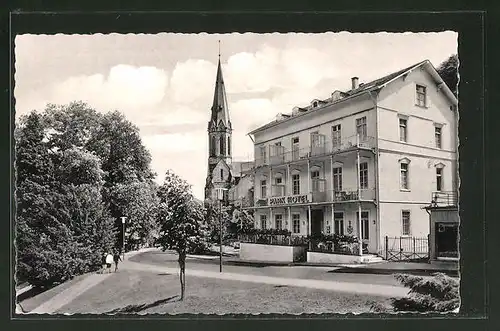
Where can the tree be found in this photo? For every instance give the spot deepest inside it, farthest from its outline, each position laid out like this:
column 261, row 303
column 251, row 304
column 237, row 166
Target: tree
column 448, row 70
column 124, row 161
column 139, row 202
column 182, row 221
column 439, row 293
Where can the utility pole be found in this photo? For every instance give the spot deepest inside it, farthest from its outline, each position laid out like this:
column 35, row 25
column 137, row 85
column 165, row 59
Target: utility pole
column 220, row 197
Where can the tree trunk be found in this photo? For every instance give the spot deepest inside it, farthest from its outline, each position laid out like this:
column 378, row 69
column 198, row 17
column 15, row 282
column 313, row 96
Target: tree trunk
column 182, row 272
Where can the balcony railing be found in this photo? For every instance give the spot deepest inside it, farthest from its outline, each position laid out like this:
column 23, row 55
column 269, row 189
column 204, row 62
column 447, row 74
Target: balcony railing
column 317, row 196
column 352, row 194
column 444, row 199
column 319, row 147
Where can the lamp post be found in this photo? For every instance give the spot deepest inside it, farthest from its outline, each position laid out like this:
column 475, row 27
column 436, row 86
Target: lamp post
column 123, row 237
column 220, row 197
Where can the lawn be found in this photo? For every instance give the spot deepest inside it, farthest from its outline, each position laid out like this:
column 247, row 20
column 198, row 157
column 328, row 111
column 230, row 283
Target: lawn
column 149, row 292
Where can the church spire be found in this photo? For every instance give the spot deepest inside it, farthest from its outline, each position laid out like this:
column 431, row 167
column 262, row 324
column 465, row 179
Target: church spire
column 220, row 110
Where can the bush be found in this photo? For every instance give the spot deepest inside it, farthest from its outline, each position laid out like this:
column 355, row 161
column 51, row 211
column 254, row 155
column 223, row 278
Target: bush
column 439, row 293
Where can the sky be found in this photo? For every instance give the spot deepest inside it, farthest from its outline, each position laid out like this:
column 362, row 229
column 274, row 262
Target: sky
column 164, row 83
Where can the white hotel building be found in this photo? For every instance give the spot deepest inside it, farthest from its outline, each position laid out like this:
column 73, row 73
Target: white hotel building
column 377, row 151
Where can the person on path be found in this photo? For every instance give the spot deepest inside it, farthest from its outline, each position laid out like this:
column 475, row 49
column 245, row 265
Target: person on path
column 109, row 261
column 116, row 258
column 103, row 263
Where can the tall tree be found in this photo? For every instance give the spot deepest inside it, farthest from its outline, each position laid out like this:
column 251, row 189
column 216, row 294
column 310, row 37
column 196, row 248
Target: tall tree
column 181, row 220
column 139, row 202
column 124, row 161
column 448, row 70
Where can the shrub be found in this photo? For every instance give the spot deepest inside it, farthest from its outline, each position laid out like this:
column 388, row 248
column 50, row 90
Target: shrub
column 439, row 293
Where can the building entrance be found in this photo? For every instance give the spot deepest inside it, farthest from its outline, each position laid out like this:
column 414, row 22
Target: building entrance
column 316, row 221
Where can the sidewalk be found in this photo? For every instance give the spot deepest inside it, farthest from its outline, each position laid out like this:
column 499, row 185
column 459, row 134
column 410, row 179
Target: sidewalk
column 357, row 288
column 63, row 298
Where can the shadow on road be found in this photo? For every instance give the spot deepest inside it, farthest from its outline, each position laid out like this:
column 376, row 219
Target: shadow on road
column 144, row 306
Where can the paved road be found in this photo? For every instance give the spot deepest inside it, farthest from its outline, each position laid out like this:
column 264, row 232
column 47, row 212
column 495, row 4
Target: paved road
column 169, row 259
column 329, row 285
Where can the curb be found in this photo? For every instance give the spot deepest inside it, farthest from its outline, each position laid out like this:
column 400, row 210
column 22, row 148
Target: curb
column 373, row 271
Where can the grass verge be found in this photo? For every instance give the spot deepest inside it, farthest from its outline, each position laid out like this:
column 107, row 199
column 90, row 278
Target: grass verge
column 148, row 293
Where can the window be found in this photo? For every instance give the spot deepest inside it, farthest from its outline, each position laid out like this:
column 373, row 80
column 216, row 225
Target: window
column 222, row 146
column 421, row 96
column 338, row 219
column 365, row 225
column 221, row 174
column 296, row 184
column 336, row 136
column 263, row 154
column 328, row 229
column 279, row 180
column 296, row 223
column 263, row 188
column 439, row 179
column 315, row 181
column 361, row 128
column 212, row 146
column 228, row 145
column 278, row 221
column 315, row 139
column 263, row 221
column 437, row 136
column 315, row 104
column 337, row 179
column 404, row 176
column 363, row 175
column 295, row 148
column 405, row 219
column 403, row 129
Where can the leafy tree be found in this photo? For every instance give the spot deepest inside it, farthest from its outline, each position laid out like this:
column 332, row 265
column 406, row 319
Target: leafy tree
column 139, row 202
column 439, row 293
column 124, row 161
column 182, row 221
column 448, row 70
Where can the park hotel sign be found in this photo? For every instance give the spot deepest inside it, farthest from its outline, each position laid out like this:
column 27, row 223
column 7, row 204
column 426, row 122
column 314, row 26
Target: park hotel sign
column 288, row 200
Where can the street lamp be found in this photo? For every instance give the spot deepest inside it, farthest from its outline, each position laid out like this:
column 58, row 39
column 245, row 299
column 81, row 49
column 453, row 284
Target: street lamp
column 123, row 238
column 220, row 197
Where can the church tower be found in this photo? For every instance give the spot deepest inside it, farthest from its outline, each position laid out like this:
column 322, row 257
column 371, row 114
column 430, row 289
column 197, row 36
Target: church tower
column 219, row 141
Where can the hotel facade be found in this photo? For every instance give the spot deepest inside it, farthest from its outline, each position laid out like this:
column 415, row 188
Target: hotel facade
column 364, row 162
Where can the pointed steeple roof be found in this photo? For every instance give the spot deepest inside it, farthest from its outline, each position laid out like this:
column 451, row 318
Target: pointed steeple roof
column 220, row 110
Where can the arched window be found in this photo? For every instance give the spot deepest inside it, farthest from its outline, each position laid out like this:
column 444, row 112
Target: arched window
column 212, row 146
column 229, row 145
column 222, row 174
column 222, row 146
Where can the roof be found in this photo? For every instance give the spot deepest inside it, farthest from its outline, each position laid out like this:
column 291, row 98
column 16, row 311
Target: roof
column 366, row 88
column 220, row 109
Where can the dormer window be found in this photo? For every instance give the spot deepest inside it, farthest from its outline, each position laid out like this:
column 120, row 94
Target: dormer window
column 315, row 104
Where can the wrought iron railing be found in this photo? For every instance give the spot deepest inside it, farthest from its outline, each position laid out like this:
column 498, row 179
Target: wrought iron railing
column 276, row 155
column 444, row 199
column 317, row 196
column 405, row 248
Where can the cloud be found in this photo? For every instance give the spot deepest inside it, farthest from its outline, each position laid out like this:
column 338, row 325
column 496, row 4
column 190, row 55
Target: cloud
column 193, row 81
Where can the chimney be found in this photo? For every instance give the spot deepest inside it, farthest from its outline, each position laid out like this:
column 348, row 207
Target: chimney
column 354, row 81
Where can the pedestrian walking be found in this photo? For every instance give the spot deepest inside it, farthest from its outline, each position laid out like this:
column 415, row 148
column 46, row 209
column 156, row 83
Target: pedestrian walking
column 103, row 263
column 116, row 259
column 109, row 261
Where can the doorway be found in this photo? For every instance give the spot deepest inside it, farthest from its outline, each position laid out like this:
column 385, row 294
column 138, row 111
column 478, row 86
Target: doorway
column 316, row 221
column 447, row 240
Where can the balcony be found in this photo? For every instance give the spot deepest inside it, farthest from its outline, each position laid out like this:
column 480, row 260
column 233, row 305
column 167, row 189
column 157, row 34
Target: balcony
column 320, row 147
column 352, row 194
column 444, row 199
